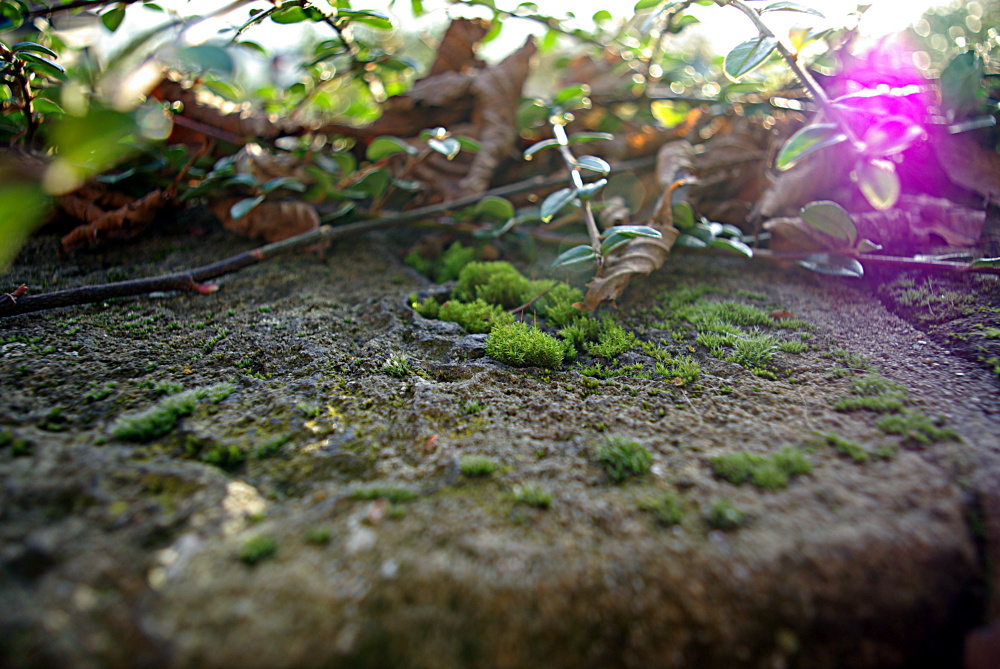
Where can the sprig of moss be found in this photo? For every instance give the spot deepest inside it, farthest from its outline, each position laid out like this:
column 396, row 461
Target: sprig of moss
column 915, row 427
column 518, row 345
column 768, row 472
column 623, row 458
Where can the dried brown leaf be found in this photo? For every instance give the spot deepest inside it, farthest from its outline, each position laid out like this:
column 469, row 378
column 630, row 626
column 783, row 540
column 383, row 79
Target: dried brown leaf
column 120, row 223
column 644, row 255
column 969, row 164
column 457, row 50
column 272, row 221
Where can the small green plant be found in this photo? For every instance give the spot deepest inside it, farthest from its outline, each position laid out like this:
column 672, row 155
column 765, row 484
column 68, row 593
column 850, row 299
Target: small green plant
column 666, row 508
column 477, row 465
column 753, row 351
column 472, row 407
column 476, row 317
column 768, row 472
column 872, row 392
column 915, row 427
column 224, row 456
column 318, row 535
column 158, row 420
column 99, row 394
column 309, row 410
column 394, row 494
column 683, row 371
column 792, row 346
column 518, row 345
column 612, row 341
column 271, row 447
column 623, row 458
column 846, row 447
column 447, row 267
column 494, row 283
column 557, row 305
column 398, row 366
column 724, row 515
column 532, row 495
column 258, row 548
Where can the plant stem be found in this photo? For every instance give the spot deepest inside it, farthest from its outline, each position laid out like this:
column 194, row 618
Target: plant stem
column 576, row 179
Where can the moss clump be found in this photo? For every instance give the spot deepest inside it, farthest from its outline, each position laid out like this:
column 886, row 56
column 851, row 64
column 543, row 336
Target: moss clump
column 532, row 495
column 612, row 341
column 767, row 472
column 224, row 456
column 398, row 366
column 581, row 331
column 714, row 316
column 872, row 392
column 623, row 458
column 394, row 494
column 493, row 282
column 477, row 465
column 447, row 267
column 915, row 427
column 258, row 548
column 724, row 515
column 318, row 535
column 518, row 345
column 158, row 420
column 681, row 371
column 557, row 305
column 753, row 351
column 476, row 317
column 667, row 509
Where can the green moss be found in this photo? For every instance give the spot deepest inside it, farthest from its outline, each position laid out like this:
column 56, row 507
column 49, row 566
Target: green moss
column 472, row 407
column 683, row 371
column 768, row 472
column 612, row 341
column 583, row 330
column 709, row 316
column 518, row 345
column 724, row 515
column 394, row 494
column 623, row 458
column 271, row 447
column 792, row 346
column 753, row 351
column 398, row 366
column 667, row 509
column 429, row 308
column 915, row 427
column 851, row 361
column 873, row 392
column 557, row 305
column 224, row 456
column 476, row 316
column 477, row 465
column 447, row 267
column 532, row 495
column 157, row 420
column 846, row 447
column 318, row 535
column 493, row 282
column 258, row 548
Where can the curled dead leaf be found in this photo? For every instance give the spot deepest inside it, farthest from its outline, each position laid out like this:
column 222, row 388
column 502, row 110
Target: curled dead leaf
column 272, row 221
column 119, row 223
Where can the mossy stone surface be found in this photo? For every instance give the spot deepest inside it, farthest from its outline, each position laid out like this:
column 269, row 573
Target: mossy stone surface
column 122, row 553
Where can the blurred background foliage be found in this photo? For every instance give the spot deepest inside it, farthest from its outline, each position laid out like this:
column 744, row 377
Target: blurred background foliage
column 78, row 78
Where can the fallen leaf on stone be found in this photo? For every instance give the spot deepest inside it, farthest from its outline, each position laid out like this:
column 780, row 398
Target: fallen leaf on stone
column 272, row 221
column 121, row 222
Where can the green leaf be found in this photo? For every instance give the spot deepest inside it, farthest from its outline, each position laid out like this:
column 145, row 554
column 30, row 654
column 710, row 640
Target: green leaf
column 575, row 255
column 288, row 183
column 683, row 216
column 703, row 232
column 730, row 230
column 630, row 231
column 878, row 182
column 46, row 106
column 11, row 17
column 837, row 265
column 791, row 7
column 243, row 207
column 572, row 97
column 986, row 262
column 690, row 241
column 962, row 92
column 830, row 218
column 498, row 208
column 206, row 57
column 374, row 183
column 469, row 144
column 613, row 242
column 387, row 145
column 554, row 202
column 417, row 7
column 732, row 245
column 578, row 137
column 366, row 17
column 809, row 139
column 748, row 56
column 241, row 179
column 43, row 66
column 594, row 164
column 447, row 147
column 113, row 17
column 646, row 4
column 291, row 14
column 590, row 190
column 538, row 146
column 892, row 135
column 35, row 47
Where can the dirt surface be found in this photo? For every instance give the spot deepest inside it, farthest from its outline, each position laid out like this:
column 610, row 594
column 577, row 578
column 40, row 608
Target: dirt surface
column 303, row 507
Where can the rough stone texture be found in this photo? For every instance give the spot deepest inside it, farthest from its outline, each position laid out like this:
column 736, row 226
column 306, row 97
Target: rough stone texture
column 121, row 554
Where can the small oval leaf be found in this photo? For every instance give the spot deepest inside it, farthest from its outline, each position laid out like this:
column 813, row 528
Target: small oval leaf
column 578, row 137
column 498, row 208
column 690, row 241
column 538, row 146
column 830, row 218
column 632, row 231
column 878, row 182
column 34, row 46
column 447, row 147
column 575, row 255
column 829, row 263
column 748, row 56
column 590, row 190
column 594, row 164
column 809, row 139
column 892, row 135
column 683, row 216
column 243, row 207
column 791, row 7
column 387, row 145
column 555, row 202
column 732, row 245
